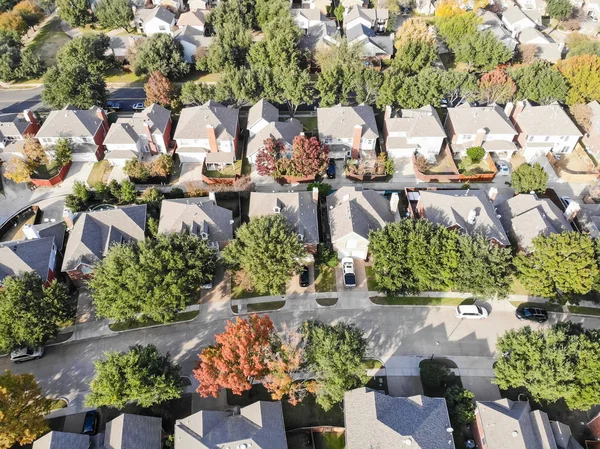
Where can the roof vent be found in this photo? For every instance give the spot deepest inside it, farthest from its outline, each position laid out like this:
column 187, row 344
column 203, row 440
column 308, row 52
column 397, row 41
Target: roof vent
column 515, row 434
column 408, row 441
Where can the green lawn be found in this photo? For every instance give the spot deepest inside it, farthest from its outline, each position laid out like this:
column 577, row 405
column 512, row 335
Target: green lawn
column 230, row 171
column 550, row 307
column 419, row 301
column 325, row 280
column 48, row 41
column 517, row 288
column 117, row 75
column 57, row 404
column 145, row 322
column 372, row 364
column 309, row 123
column 584, row 310
column 327, row 302
column 371, row 282
column 100, row 172
column 265, row 306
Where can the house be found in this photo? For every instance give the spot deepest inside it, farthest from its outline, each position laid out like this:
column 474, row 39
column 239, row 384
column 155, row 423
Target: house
column 198, row 216
column 546, row 48
column 146, row 133
column 350, row 131
column 298, row 208
column 491, row 22
column 203, row 4
column 37, row 253
column 208, row 133
column 526, row 216
column 13, row 130
column 543, row 129
column 374, row 419
column 259, row 425
column 263, row 123
column 155, row 20
column 425, row 7
column 488, row 127
column 84, row 129
column 353, row 213
column 588, row 219
column 93, row 233
column 505, row 423
column 362, row 25
column 322, row 34
column 516, row 20
column 591, row 139
column 321, row 5
column 468, row 211
column 413, row 131
column 129, row 431
column 192, row 41
column 62, row 440
column 195, row 19
column 307, row 18
column 375, row 19
column 534, row 9
column 120, row 45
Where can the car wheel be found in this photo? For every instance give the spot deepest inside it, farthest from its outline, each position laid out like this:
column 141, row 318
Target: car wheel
column 38, row 357
column 18, row 362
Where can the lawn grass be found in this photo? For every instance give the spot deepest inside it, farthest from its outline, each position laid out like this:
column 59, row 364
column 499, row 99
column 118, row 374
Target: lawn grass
column 309, row 123
column 230, row 171
column 550, row 307
column 100, row 172
column 118, row 75
column 145, row 322
column 57, row 404
column 48, row 41
column 265, row 306
column 210, row 78
column 325, row 280
column 327, row 302
column 372, row 285
column 517, row 288
column 419, row 301
column 584, row 310
column 372, row 364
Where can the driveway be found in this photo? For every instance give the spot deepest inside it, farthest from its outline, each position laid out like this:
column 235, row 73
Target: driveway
column 190, row 173
column 361, row 277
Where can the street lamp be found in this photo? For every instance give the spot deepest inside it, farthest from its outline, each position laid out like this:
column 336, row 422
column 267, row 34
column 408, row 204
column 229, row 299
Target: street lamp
column 437, row 343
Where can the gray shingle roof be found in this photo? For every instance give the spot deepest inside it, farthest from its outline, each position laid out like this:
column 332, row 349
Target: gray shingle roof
column 467, row 119
column 371, row 14
column 423, row 122
column 158, row 12
column 338, row 121
column 196, row 17
column 492, row 23
column 18, row 257
column 359, row 211
column 588, row 218
column 298, row 208
column 317, row 34
column 193, row 36
column 12, row 125
column 262, row 110
column 62, row 440
column 133, row 432
column 452, row 208
column 311, row 14
column 514, row 14
column 71, row 122
column 128, row 130
column 548, row 120
column 375, row 420
column 284, row 131
column 193, row 121
column 192, row 214
column 94, row 232
column 259, row 425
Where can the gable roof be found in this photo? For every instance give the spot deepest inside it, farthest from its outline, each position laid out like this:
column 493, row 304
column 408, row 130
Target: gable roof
column 467, row 119
column 298, row 208
column 370, row 14
column 373, row 419
column 22, row 256
column 193, row 121
column 422, row 122
column 259, row 425
column 195, row 215
column 452, row 208
column 94, row 233
column 319, row 34
column 530, row 35
column 13, row 124
column 62, row 440
column 71, row 122
column 546, row 120
column 514, row 14
column 310, row 14
column 128, row 130
column 339, row 121
column 159, row 12
column 196, row 17
column 193, row 36
column 352, row 210
column 284, row 131
column 588, row 219
column 133, row 432
column 262, row 110
column 492, row 23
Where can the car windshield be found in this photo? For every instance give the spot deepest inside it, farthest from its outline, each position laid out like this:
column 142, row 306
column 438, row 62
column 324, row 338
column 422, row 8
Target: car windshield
column 527, row 312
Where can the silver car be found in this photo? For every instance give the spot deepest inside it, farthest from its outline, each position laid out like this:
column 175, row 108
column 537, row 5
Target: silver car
column 471, row 312
column 26, row 354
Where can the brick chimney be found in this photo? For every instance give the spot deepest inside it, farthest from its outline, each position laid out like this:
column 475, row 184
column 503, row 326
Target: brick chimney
column 356, row 141
column 151, row 143
column 68, row 217
column 30, row 117
column 479, row 137
column 212, row 139
column 315, row 194
column 518, row 109
column 509, row 108
column 492, row 194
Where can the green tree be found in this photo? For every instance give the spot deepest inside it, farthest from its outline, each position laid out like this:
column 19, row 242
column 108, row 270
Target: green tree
column 369, row 83
column 527, row 178
column 433, row 373
column 267, row 10
column 127, row 193
column 32, row 66
column 22, row 409
column 476, row 154
column 454, row 29
column 30, row 314
column 81, row 191
column 341, row 69
column 559, row 9
column 335, row 354
column 114, row 14
column 155, row 278
column 10, row 61
column 7, row 5
column 137, row 170
column 268, row 250
column 559, row 266
column 160, row 52
column 587, row 47
column 460, row 405
column 88, row 50
column 583, row 76
column 73, row 85
column 414, row 55
column 193, row 93
column 553, row 364
column 540, row 82
column 76, row 12
column 482, row 51
column 62, row 154
column 240, row 85
column 141, row 376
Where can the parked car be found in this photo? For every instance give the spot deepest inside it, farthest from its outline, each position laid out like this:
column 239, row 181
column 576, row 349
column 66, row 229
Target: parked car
column 114, row 105
column 331, row 169
column 90, row 423
column 471, row 312
column 138, row 107
column 304, row 277
column 532, row 314
column 348, row 270
column 26, row 354
column 565, row 200
column 503, row 168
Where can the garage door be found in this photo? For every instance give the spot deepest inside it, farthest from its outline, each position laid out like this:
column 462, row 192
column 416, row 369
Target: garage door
column 359, row 255
column 196, row 158
column 84, row 157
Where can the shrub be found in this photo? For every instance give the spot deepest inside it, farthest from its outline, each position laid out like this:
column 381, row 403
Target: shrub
column 74, row 203
column 136, row 170
column 176, row 193
column 476, row 154
column 326, row 255
column 433, row 374
column 81, row 191
column 324, row 188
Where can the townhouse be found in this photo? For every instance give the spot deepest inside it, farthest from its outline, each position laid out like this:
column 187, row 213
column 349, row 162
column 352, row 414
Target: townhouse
column 362, row 26
column 516, row 20
column 155, row 20
column 13, row 130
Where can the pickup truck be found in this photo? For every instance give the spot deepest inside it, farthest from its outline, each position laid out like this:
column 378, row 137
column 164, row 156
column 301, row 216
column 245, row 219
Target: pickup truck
column 348, row 270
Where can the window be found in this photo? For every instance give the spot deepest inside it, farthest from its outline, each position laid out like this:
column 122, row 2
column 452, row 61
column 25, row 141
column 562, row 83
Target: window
column 466, row 136
column 86, row 270
column 162, row 28
column 565, row 149
column 547, row 139
column 529, row 138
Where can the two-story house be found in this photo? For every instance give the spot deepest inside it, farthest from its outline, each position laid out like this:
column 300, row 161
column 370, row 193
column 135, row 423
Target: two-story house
column 84, row 129
column 146, row 133
column 155, row 20
column 361, row 25
column 192, row 42
column 410, row 131
column 516, row 20
column 208, row 133
column 373, row 18
column 195, row 19
column 488, row 127
column 547, row 49
column 13, row 129
column 350, row 131
column 543, row 129
column 491, row 22
column 534, row 9
column 263, row 123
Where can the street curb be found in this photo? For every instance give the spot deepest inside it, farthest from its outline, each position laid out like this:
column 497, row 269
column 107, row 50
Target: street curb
column 146, row 327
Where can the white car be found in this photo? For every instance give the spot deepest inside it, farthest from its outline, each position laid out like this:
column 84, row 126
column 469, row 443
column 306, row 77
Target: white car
column 471, row 312
column 26, row 354
column 138, row 107
column 348, row 271
column 503, row 168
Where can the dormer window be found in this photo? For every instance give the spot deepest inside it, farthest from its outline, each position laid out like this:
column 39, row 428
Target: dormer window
column 204, row 235
column 300, row 238
column 277, row 210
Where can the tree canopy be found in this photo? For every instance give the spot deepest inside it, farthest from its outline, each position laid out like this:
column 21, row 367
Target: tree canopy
column 482, row 51
column 160, row 52
column 496, row 87
column 559, row 9
column 76, row 12
column 158, row 90
column 583, row 76
column 308, row 158
column 142, row 376
column 73, row 85
column 528, row 178
column 88, row 50
column 540, row 82
column 552, row 364
column 114, row 14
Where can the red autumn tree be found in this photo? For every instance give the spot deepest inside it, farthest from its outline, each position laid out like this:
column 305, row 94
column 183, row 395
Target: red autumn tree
column 496, row 86
column 239, row 355
column 267, row 157
column 309, row 157
column 158, row 90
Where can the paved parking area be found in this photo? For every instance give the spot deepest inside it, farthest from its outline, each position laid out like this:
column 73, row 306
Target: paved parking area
column 294, row 289
column 361, row 277
column 404, row 386
column 483, row 388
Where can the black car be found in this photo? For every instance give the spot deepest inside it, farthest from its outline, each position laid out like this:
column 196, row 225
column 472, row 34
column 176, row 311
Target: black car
column 331, row 169
column 304, row 277
column 113, row 105
column 90, row 422
column 532, row 314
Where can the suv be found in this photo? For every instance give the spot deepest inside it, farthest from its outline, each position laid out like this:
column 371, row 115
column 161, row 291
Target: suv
column 348, row 270
column 304, row 277
column 532, row 314
column 90, row 423
column 331, row 169
column 26, row 354
column 471, row 312
column 113, row 105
